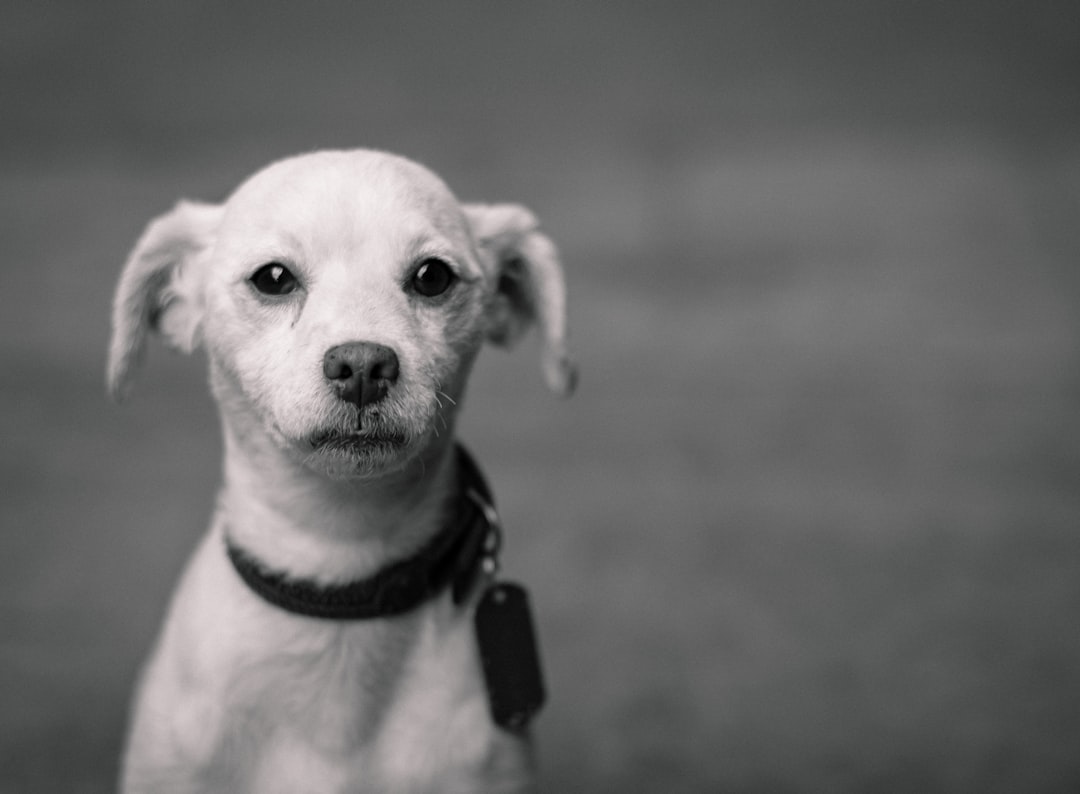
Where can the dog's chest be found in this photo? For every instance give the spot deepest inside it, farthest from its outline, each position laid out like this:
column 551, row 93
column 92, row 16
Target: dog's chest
column 393, row 707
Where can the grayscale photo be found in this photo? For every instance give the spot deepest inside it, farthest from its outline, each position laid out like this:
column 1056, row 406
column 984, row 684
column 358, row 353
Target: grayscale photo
column 602, row 397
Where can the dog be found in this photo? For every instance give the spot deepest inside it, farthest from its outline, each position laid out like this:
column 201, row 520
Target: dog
column 341, row 298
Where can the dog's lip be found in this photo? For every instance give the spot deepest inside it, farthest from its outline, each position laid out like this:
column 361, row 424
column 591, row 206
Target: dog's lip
column 340, row 439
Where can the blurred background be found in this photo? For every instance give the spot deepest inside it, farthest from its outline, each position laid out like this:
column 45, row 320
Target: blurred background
column 811, row 522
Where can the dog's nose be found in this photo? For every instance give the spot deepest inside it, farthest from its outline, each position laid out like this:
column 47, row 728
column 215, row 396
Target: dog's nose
column 361, row 372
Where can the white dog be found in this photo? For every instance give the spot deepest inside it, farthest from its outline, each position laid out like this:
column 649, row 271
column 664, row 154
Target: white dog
column 337, row 629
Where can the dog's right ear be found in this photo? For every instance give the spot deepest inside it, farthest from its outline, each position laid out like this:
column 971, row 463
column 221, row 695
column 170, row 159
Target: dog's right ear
column 157, row 290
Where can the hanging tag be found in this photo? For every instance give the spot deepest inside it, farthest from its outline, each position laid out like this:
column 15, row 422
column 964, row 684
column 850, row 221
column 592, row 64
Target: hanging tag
column 509, row 655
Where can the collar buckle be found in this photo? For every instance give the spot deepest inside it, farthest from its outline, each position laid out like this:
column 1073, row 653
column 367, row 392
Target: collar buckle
column 479, row 556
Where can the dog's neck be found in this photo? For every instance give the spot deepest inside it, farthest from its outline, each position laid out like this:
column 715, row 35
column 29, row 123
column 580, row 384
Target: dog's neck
column 311, row 526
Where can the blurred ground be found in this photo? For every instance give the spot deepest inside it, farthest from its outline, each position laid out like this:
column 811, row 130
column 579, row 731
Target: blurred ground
column 810, row 525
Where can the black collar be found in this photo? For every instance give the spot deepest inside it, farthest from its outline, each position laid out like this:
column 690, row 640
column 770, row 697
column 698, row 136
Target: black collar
column 454, row 556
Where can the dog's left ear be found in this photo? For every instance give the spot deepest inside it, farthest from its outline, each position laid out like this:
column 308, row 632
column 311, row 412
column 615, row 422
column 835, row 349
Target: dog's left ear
column 157, row 290
column 529, row 286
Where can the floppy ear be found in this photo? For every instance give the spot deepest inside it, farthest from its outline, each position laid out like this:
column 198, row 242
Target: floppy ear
column 529, row 286
column 157, row 291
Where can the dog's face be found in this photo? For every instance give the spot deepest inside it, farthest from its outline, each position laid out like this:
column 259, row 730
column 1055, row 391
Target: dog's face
column 312, row 256
column 341, row 298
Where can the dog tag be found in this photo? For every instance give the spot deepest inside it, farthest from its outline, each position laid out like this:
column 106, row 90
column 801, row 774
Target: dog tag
column 509, row 655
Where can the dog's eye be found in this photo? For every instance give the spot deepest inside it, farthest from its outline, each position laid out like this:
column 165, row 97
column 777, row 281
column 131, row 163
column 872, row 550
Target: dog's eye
column 274, row 279
column 433, row 277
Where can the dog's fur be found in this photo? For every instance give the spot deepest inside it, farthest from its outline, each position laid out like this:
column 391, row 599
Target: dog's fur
column 238, row 695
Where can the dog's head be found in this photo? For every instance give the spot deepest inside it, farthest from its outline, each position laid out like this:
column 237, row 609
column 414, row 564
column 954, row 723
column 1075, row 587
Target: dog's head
column 341, row 298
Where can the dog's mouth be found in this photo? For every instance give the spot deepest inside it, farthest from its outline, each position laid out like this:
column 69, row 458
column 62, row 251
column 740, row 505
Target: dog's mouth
column 386, row 439
column 358, row 442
